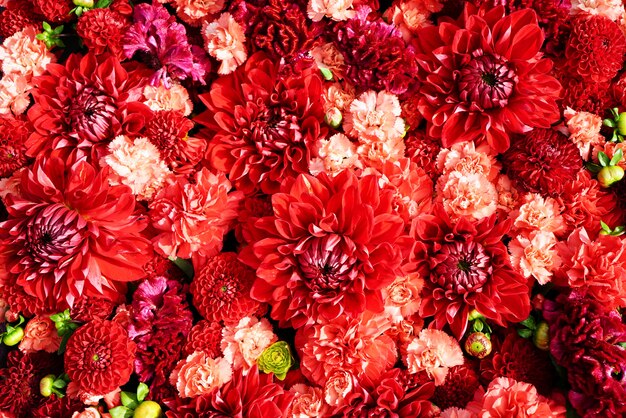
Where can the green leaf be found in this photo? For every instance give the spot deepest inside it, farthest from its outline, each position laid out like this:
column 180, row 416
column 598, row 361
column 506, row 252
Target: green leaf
column 524, row 333
column 609, row 122
column 605, row 226
column 46, row 26
column 604, row 159
column 129, row 400
column 120, row 412
column 142, row 391
column 58, row 30
column 184, row 265
column 617, row 156
column 529, row 323
column 101, row 4
column 59, row 384
column 619, row 230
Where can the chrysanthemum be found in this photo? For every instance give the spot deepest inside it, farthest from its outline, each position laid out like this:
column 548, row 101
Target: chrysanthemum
column 331, row 247
column 491, row 85
column 468, row 267
column 458, row 389
column 261, row 125
column 542, row 161
column 221, row 289
column 70, row 234
column 99, row 357
column 102, row 30
column 13, row 135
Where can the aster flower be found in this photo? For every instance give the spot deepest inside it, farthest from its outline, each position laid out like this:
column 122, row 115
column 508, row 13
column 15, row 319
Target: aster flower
column 468, row 267
column 486, row 89
column 458, row 389
column 193, row 217
column 13, row 135
column 102, row 30
column 330, row 248
column 261, row 125
column 70, row 234
column 99, row 357
column 221, row 289
column 542, row 161
column 162, row 42
column 434, row 352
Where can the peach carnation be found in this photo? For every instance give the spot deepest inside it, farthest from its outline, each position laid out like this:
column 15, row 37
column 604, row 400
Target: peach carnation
column 11, row 185
column 467, row 195
column 402, row 297
column 334, row 154
column 535, row 255
column 434, row 352
column 328, row 57
column 466, row 158
column 338, row 385
column 136, row 164
column 456, row 413
column 242, row 344
column 161, row 98
column 409, row 17
column 14, row 94
column 334, row 9
column 90, row 412
column 40, row 334
column 308, row 402
column 538, row 214
column 199, row 374
column 23, row 54
column 584, row 129
column 338, row 96
column 508, row 195
column 613, row 9
column 193, row 12
column 225, row 40
column 375, row 117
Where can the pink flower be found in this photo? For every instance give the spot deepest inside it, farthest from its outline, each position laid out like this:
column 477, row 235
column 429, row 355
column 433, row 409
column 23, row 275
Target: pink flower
column 199, row 374
column 508, row 195
column 328, row 57
column 535, row 255
column 538, row 214
column 225, row 40
column 471, row 195
column 333, row 155
column 613, row 9
column 466, row 158
column 338, row 385
column 456, row 413
column 434, row 352
column 584, row 129
column 161, row 98
column 336, row 95
column 308, row 402
column 402, row 296
column 14, row 94
column 333, row 9
column 375, row 117
column 194, row 11
column 243, row 343
column 40, row 334
column 23, row 54
column 411, row 15
column 90, row 412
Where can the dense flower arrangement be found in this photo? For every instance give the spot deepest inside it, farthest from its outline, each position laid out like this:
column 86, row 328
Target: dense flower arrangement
column 312, row 208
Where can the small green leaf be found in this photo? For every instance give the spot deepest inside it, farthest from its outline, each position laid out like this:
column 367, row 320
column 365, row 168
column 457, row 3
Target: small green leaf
column 58, row 30
column 46, row 26
column 619, row 230
column 609, row 122
column 184, row 265
column 593, row 167
column 605, row 226
column 524, row 333
column 142, row 391
column 129, row 400
column 529, row 323
column 478, row 326
column 617, row 156
column 101, row 4
column 120, row 412
column 604, row 159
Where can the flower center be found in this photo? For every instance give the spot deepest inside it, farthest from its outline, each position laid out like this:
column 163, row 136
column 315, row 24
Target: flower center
column 461, row 267
column 325, row 264
column 90, row 114
column 486, row 82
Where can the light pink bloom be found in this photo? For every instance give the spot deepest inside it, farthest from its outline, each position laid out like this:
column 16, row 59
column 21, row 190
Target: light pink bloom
column 194, row 12
column 225, row 40
column 23, row 54
column 467, row 195
column 508, row 195
column 333, row 9
column 402, row 297
column 338, row 385
column 434, row 352
column 14, row 94
column 40, row 334
column 333, row 155
column 90, row 412
column 308, row 402
column 466, row 158
column 242, row 344
column 613, row 9
column 456, row 413
column 11, row 185
column 328, row 57
column 162, row 98
column 338, row 96
column 538, row 213
column 535, row 255
column 199, row 374
column 584, row 130
column 375, row 117
column 411, row 15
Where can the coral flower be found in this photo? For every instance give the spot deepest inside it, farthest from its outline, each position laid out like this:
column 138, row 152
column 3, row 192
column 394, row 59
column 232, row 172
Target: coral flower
column 24, row 54
column 243, row 343
column 40, row 334
column 483, row 77
column 225, row 40
column 435, row 352
column 535, row 255
column 199, row 374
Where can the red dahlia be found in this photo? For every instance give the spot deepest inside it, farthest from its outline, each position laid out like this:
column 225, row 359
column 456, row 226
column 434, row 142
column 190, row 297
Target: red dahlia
column 458, row 388
column 329, row 249
column 101, row 30
column 55, row 11
column 86, row 309
column 261, row 125
column 70, row 234
column 99, row 357
column 17, row 16
column 483, row 77
column 467, row 266
column 221, row 289
column 204, row 336
column 596, row 47
column 13, row 135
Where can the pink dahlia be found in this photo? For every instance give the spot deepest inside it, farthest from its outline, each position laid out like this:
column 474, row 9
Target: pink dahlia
column 71, row 234
column 329, row 250
column 261, row 124
column 468, row 268
column 483, row 77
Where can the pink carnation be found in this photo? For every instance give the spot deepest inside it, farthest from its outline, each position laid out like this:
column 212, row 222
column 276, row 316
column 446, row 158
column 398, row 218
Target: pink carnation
column 338, row 385
column 225, row 40
column 456, row 413
column 308, row 402
column 535, row 255
column 161, row 98
column 336, row 95
column 333, row 155
column 194, row 11
column 375, row 118
column 402, row 297
column 90, row 412
column 14, row 94
column 466, row 158
column 23, row 54
column 40, row 334
column 199, row 374
column 242, row 344
column 613, row 9
column 471, row 195
column 409, row 16
column 508, row 195
column 538, row 214
column 584, row 129
column 333, row 9
column 434, row 352
column 328, row 57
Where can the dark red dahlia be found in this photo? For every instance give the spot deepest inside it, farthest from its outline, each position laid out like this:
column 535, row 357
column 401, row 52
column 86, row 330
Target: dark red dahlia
column 204, row 336
column 483, row 77
column 87, row 309
column 84, row 104
column 587, row 96
column 70, row 234
column 99, row 357
column 329, row 249
column 458, row 388
column 54, row 11
column 543, row 161
column 261, row 125
column 467, row 266
column 596, row 47
column 102, row 30
column 58, row 407
column 17, row 16
column 13, row 135
column 375, row 54
column 221, row 289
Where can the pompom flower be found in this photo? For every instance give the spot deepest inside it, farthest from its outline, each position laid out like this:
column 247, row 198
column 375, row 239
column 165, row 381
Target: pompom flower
column 434, row 352
column 199, row 374
column 224, row 40
column 102, row 30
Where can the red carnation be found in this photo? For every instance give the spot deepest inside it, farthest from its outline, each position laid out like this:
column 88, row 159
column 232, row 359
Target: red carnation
column 99, row 357
column 101, row 30
column 483, row 77
column 467, row 266
column 596, row 47
column 262, row 125
column 329, row 249
column 221, row 289
column 543, row 161
column 13, row 135
column 70, row 234
column 55, row 11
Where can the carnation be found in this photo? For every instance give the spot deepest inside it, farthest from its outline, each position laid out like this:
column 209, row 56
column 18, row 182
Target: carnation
column 535, row 255
column 402, row 297
column 584, row 129
column 224, row 39
column 243, row 343
column 161, row 98
column 14, row 94
column 434, row 352
column 333, row 9
column 471, row 195
column 467, row 158
column 40, row 334
column 308, row 401
column 538, row 214
column 199, row 374
column 612, row 9
column 334, row 155
column 194, row 12
column 23, row 54
column 14, row 133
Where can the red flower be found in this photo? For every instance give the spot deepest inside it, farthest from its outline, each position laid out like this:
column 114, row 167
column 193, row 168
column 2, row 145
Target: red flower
column 596, row 47
column 261, row 124
column 99, row 357
column 13, row 134
column 204, row 336
column 467, row 266
column 17, row 16
column 458, row 388
column 55, row 11
column 587, row 96
column 102, row 30
column 84, row 104
column 483, row 77
column 87, row 309
column 423, row 151
column 221, row 289
column 329, row 249
column 71, row 234
column 543, row 161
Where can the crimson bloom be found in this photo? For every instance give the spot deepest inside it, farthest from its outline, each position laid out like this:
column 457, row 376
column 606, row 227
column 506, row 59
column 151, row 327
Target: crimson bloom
column 467, row 266
column 70, row 234
column 329, row 249
column 483, row 77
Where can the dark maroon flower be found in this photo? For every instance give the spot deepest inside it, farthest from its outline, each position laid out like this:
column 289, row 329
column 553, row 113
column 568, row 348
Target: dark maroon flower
column 458, row 388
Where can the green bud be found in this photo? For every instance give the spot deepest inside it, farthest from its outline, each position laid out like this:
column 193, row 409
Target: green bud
column 333, row 118
column 13, row 337
column 541, row 337
column 276, row 359
column 474, row 314
column 148, row 409
column 45, row 385
column 610, row 175
column 478, row 345
column 621, row 124
column 327, row 74
column 88, row 4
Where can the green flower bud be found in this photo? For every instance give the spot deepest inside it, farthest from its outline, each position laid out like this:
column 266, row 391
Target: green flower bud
column 333, row 117
column 148, row 409
column 478, row 345
column 621, row 124
column 610, row 174
column 326, row 73
column 540, row 337
column 45, row 385
column 88, row 4
column 276, row 359
column 13, row 337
